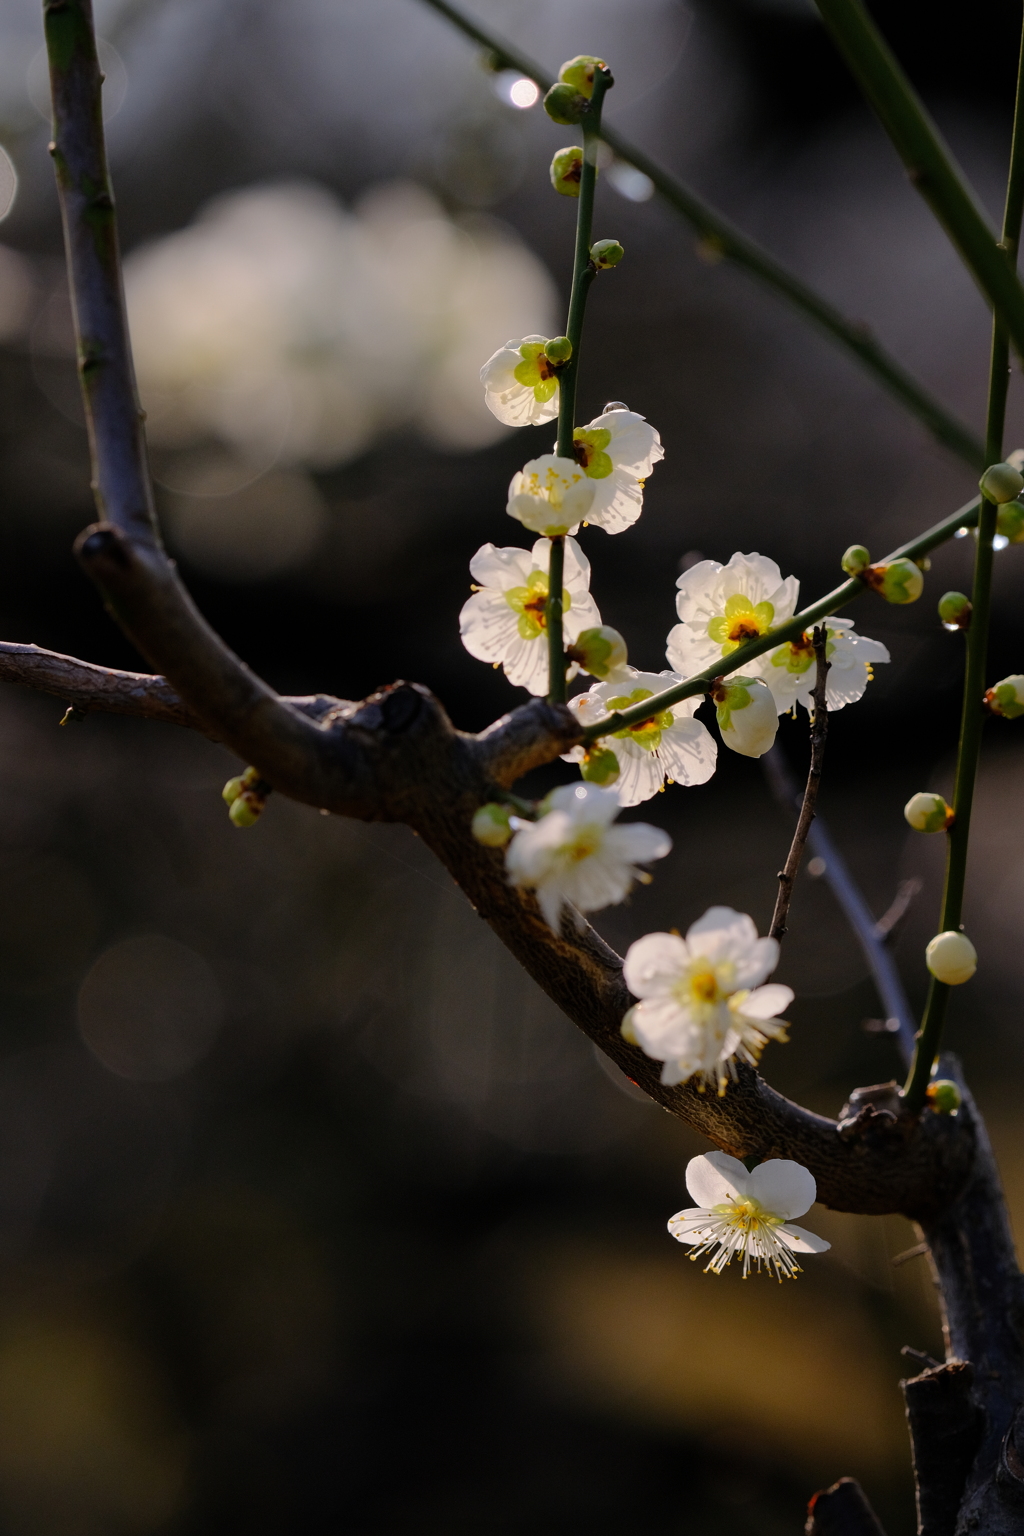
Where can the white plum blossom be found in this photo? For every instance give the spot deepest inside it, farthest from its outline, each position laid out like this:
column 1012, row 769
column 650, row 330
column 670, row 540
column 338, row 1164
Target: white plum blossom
column 574, row 854
column 748, row 1213
column 504, row 621
column 702, row 1004
column 792, row 671
column 520, row 384
column 747, row 715
column 721, row 606
column 550, row 495
column 617, row 451
column 668, row 746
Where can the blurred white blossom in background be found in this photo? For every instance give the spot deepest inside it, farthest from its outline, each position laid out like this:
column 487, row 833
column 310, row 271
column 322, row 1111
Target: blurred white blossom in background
column 292, row 331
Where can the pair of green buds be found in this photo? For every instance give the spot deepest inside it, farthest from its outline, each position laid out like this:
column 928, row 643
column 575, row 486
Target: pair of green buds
column 246, row 798
column 898, row 581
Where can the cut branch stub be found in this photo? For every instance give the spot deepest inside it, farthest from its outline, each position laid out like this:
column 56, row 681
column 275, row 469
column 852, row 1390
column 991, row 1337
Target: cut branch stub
column 842, row 1510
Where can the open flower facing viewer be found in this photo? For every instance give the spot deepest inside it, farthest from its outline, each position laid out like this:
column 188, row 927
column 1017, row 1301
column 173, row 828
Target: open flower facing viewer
column 574, row 854
column 701, row 1003
column 721, row 606
column 748, row 1214
column 504, row 621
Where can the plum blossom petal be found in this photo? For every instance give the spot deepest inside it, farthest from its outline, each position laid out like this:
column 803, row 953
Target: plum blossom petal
column 715, row 1177
column 669, row 747
column 783, row 1186
column 617, row 451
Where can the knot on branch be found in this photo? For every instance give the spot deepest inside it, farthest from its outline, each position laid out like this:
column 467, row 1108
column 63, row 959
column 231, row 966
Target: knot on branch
column 395, row 709
column 529, row 737
column 945, row 1426
column 875, row 1116
column 102, row 546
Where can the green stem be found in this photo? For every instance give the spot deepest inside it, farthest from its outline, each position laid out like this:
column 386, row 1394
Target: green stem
column 928, row 160
column 583, row 275
column 721, row 238
column 972, row 716
column 800, row 622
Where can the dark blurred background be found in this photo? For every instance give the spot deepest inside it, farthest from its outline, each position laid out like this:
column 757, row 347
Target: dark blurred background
column 314, row 1214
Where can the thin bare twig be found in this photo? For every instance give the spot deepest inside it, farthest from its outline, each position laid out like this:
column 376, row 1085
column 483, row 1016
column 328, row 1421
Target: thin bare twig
column 819, row 731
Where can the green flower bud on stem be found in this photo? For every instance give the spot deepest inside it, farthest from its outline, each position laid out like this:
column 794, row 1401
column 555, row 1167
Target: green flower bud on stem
column 232, row 789
column 579, row 73
column 943, row 1095
column 247, row 809
column 898, row 581
column 951, row 957
column 855, row 560
column 599, row 651
column 926, row 812
column 605, row 254
column 955, row 611
column 564, row 104
column 600, row 766
column 566, row 170
column 1010, row 522
column 1001, row 482
column 490, row 825
column 246, row 797
column 626, row 1029
column 558, row 350
column 1006, row 698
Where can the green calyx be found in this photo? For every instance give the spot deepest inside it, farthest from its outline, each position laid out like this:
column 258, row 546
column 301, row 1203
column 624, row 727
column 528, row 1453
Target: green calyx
column 579, row 73
column 600, row 766
column 1010, row 522
column 605, row 254
column 742, row 620
column 647, row 733
column 898, row 581
column 599, row 650
column 531, row 601
column 589, row 444
column 733, row 696
column 536, row 371
column 567, row 171
column 855, row 560
column 564, row 104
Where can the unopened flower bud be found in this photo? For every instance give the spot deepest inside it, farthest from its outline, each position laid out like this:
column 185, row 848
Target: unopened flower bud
column 951, row 958
column 601, row 651
column 926, row 812
column 600, row 766
column 564, row 104
column 605, row 254
column 490, row 825
column 626, row 1029
column 898, row 581
column 943, row 1095
column 558, row 349
column 579, row 73
column 955, row 611
column 1001, row 482
column 1010, row 522
column 566, row 171
column 246, row 809
column 855, row 560
column 747, row 715
column 232, row 789
column 1007, row 698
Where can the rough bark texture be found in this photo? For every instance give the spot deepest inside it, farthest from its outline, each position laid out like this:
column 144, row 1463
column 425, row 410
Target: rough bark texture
column 842, row 1510
column 945, row 1426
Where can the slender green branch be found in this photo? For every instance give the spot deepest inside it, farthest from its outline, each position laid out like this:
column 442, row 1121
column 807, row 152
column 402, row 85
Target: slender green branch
column 838, row 598
column 721, row 238
column 583, row 274
column 929, row 161
column 972, row 715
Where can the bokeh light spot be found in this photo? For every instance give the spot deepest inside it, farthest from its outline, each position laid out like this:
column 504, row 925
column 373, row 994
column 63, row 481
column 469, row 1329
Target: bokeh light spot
column 150, row 1008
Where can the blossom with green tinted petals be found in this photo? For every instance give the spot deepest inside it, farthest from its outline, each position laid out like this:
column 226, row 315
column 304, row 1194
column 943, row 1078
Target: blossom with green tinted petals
column 505, row 623
column 521, row 383
column 748, row 1214
column 671, row 746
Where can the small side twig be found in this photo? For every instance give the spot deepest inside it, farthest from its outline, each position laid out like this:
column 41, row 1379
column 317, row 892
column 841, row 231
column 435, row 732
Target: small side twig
column 819, row 731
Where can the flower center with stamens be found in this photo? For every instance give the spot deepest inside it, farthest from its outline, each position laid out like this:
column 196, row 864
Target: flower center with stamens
column 742, row 620
column 530, row 602
column 586, row 842
column 646, row 733
column 588, row 448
